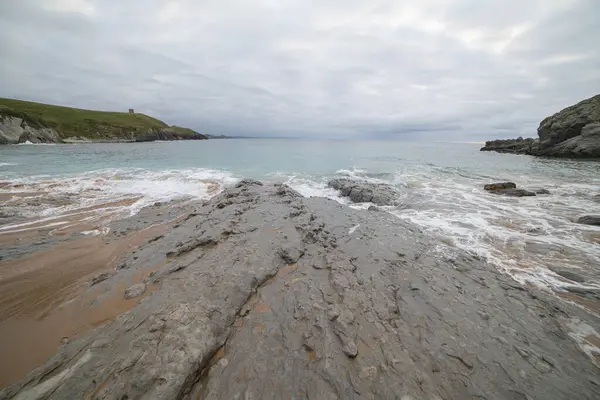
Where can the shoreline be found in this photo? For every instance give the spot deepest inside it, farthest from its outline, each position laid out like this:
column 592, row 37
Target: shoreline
column 260, row 276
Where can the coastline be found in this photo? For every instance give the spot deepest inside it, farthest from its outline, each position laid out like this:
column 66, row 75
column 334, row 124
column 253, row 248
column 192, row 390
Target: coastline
column 259, row 275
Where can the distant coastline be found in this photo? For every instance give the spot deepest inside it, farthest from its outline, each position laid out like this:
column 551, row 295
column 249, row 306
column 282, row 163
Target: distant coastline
column 25, row 121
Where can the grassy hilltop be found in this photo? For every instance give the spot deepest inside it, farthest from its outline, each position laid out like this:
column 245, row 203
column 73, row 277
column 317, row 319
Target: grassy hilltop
column 95, row 125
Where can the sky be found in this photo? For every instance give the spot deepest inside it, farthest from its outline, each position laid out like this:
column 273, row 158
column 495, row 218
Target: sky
column 455, row 70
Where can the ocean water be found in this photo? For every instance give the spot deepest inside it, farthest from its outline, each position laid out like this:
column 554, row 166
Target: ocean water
column 441, row 186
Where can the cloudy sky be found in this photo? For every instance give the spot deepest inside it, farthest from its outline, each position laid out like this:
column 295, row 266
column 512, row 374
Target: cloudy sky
column 452, row 69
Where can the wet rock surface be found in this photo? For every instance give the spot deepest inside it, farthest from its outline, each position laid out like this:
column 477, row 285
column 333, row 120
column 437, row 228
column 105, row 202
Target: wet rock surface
column 589, row 220
column 510, row 189
column 265, row 294
column 365, row 192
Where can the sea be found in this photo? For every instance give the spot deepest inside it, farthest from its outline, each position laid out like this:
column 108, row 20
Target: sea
column 441, row 190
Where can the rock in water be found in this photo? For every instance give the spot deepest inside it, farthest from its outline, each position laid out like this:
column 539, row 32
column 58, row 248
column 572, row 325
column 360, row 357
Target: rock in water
column 500, row 186
column 365, row 192
column 283, row 303
column 507, row 189
column 589, row 220
column 572, row 132
column 514, row 192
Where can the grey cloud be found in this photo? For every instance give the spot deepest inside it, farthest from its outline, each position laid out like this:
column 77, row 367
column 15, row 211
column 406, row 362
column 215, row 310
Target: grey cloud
column 453, row 69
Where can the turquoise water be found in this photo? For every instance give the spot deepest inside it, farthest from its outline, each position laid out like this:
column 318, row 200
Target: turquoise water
column 260, row 158
column 441, row 186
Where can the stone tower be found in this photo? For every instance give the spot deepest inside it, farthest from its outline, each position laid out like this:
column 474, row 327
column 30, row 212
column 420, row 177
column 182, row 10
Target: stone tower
column 131, row 111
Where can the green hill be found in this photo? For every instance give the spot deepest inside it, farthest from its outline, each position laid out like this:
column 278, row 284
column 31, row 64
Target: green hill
column 94, row 125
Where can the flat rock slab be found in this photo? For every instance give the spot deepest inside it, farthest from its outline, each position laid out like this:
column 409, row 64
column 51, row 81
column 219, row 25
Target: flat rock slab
column 274, row 298
column 589, row 220
column 366, row 192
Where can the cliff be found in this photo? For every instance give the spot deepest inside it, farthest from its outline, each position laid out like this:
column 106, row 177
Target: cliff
column 572, row 132
column 22, row 121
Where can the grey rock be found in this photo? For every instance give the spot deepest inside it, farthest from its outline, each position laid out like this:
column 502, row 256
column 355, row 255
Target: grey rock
column 542, row 191
column 500, row 186
column 16, row 130
column 364, row 192
column 573, row 132
column 513, row 192
column 589, row 220
column 135, row 291
column 239, row 322
column 99, row 278
column 507, row 189
column 248, row 182
column 565, row 273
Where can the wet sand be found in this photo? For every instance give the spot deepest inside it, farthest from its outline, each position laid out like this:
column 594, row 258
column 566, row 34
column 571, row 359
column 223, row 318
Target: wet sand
column 46, row 298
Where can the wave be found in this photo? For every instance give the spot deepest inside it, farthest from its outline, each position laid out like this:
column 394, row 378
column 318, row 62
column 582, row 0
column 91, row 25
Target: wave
column 526, row 237
column 28, row 143
column 105, row 194
column 7, row 164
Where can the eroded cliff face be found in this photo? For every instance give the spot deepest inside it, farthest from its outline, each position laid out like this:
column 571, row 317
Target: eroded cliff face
column 572, row 132
column 15, row 130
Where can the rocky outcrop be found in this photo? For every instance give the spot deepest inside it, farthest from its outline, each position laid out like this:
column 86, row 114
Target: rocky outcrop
column 261, row 293
column 510, row 189
column 365, row 192
column 515, row 146
column 167, row 134
column 589, row 220
column 16, row 130
column 572, row 132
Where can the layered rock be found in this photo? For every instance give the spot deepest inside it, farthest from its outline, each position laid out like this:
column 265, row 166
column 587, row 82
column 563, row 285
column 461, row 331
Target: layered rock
column 261, row 293
column 16, row 130
column 572, row 132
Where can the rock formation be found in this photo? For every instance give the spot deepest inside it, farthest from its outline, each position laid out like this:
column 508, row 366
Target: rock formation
column 365, row 192
column 510, row 189
column 16, row 130
column 572, row 132
column 261, row 293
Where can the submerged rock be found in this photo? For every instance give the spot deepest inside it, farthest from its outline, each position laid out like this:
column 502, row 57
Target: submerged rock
column 285, row 303
column 514, row 192
column 366, row 192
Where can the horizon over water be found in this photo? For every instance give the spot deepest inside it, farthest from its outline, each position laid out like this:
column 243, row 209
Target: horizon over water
column 441, row 186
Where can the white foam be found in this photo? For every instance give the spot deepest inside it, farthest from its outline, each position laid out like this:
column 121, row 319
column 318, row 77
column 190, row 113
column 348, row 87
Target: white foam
column 28, row 143
column 7, row 164
column 310, row 188
column 353, row 229
column 110, row 185
column 520, row 236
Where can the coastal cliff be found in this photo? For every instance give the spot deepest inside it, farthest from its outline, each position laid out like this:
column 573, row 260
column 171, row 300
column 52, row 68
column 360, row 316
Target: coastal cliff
column 573, row 132
column 23, row 121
